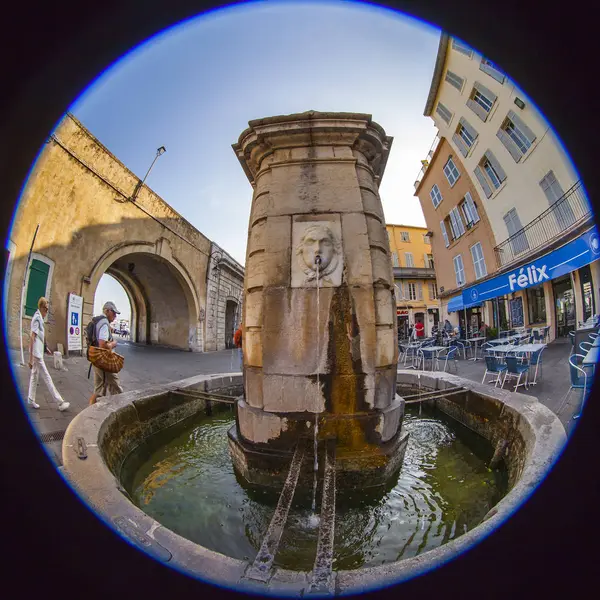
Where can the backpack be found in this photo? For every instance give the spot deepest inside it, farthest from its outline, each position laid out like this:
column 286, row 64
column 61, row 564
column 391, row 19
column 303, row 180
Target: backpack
column 90, row 334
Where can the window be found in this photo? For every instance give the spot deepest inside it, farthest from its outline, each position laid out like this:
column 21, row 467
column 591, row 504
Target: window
column 455, row 80
column 459, row 270
column 428, row 260
column 433, row 294
column 489, row 173
column 444, row 233
column 399, row 293
column 451, row 172
column 408, row 257
column 395, row 260
column 464, row 137
column 478, row 261
column 481, row 101
column 404, row 236
column 40, row 271
column 436, row 195
column 456, row 223
column 536, row 304
column 461, row 47
column 487, row 66
column 563, row 211
column 426, row 239
column 444, row 113
column 412, row 291
column 518, row 240
column 469, row 210
column 515, row 135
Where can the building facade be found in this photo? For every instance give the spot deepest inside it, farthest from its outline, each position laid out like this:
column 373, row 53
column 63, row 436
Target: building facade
column 414, row 278
column 528, row 188
column 464, row 247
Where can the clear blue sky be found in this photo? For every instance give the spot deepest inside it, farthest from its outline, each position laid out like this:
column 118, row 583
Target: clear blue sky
column 194, row 88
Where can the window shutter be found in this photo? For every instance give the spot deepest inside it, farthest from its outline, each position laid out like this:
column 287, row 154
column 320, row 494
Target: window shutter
column 499, row 170
column 475, row 260
column 444, row 233
column 514, row 117
column 477, row 109
column 467, row 212
column 443, row 112
column 483, row 181
column 509, row 144
column 459, row 222
column 36, row 285
column 406, row 292
column 472, row 132
column 453, row 225
column 426, row 260
column 460, row 144
column 485, row 91
column 419, row 291
column 454, row 80
column 472, row 208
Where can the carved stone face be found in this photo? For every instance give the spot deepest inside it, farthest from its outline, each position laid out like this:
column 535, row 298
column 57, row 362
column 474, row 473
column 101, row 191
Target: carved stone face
column 318, row 241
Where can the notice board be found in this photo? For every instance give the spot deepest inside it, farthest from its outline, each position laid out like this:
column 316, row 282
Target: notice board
column 516, row 312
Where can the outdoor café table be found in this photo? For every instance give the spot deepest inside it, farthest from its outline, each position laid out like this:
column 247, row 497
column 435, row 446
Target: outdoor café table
column 432, row 350
column 475, row 340
column 500, row 341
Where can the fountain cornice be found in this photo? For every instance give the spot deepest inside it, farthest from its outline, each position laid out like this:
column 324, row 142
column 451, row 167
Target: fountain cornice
column 367, row 139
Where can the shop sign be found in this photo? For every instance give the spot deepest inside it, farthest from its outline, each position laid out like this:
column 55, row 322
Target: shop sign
column 401, row 312
column 577, row 253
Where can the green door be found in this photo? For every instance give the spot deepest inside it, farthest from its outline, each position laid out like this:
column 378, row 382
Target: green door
column 36, row 286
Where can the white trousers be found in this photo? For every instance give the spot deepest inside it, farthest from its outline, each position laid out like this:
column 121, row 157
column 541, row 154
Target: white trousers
column 39, row 367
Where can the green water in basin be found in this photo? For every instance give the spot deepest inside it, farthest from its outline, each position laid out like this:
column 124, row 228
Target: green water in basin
column 443, row 490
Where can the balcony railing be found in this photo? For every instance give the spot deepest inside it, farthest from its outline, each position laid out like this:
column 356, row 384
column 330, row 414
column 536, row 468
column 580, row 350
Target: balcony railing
column 426, row 162
column 568, row 211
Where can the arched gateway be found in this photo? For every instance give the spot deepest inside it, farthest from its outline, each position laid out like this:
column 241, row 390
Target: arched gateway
column 80, row 195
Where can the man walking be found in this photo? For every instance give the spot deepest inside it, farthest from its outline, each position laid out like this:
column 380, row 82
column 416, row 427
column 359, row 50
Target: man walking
column 237, row 340
column 105, row 383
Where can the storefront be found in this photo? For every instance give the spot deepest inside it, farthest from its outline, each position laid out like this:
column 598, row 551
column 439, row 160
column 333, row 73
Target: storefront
column 402, row 322
column 559, row 289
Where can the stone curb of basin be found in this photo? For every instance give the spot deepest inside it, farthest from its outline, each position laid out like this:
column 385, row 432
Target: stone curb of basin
column 543, row 433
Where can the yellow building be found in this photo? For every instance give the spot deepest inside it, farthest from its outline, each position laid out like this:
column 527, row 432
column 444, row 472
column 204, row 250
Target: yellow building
column 414, row 277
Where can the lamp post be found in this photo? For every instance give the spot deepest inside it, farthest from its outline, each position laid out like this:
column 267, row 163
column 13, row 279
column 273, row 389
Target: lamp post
column 159, row 152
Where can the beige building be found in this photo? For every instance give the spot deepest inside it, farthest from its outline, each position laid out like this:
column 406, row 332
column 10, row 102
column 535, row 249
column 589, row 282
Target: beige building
column 414, row 277
column 528, row 188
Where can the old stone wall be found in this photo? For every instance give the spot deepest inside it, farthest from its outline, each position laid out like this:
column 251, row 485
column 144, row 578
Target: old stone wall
column 225, row 287
column 78, row 193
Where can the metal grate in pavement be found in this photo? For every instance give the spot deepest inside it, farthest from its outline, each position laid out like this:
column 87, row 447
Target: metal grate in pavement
column 52, row 436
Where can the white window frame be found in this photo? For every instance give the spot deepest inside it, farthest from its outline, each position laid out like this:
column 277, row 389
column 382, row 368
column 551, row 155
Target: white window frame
column 48, row 293
column 456, row 223
column 483, row 102
column 432, row 290
column 457, row 271
column 520, row 140
column 485, row 164
column 434, row 194
column 426, row 239
column 404, row 236
column 449, row 169
column 444, row 112
column 455, row 80
column 412, row 291
column 478, row 261
column 465, row 136
column 399, row 290
column 410, row 259
column 395, row 260
column 428, row 260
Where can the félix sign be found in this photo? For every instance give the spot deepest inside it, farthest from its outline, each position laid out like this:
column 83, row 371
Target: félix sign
column 575, row 254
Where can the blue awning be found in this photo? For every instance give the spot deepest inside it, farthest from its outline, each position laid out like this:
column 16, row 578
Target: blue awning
column 457, row 303
column 575, row 254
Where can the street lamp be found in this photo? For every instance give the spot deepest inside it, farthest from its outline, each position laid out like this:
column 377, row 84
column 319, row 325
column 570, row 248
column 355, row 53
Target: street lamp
column 159, row 152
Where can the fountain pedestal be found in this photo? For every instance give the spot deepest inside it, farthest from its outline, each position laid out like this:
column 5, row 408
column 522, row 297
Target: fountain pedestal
column 318, row 343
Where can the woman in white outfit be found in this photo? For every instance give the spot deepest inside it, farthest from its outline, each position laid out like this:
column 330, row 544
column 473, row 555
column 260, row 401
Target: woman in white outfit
column 36, row 358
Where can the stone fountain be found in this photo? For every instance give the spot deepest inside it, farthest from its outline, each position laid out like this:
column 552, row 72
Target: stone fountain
column 320, row 341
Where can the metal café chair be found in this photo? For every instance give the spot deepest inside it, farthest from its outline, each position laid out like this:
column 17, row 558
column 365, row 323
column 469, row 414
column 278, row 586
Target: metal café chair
column 514, row 369
column 448, row 354
column 585, row 346
column 493, row 365
column 424, row 354
column 536, row 361
column 578, row 381
column 572, row 338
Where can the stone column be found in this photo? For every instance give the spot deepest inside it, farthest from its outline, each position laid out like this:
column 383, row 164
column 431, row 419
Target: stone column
column 316, row 178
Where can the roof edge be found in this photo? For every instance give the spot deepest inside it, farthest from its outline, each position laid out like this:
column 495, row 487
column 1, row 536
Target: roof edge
column 437, row 73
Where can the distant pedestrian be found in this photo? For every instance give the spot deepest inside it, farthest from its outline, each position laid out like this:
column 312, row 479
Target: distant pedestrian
column 237, row 340
column 448, row 326
column 105, row 382
column 37, row 345
column 420, row 329
column 484, row 330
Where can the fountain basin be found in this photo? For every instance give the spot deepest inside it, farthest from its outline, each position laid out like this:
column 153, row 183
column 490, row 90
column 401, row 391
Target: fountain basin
column 112, row 430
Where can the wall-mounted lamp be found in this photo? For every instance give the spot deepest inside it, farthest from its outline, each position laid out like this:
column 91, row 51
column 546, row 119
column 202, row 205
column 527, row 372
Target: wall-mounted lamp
column 520, row 103
column 159, row 152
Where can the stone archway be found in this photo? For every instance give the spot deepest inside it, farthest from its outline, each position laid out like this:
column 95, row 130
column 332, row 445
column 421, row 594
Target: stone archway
column 164, row 303
column 231, row 310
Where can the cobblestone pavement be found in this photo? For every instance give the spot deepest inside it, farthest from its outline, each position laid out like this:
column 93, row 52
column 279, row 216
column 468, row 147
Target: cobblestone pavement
column 146, row 366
